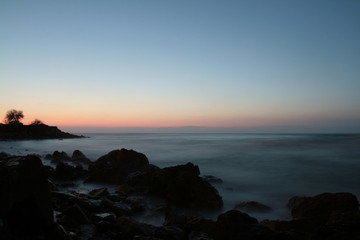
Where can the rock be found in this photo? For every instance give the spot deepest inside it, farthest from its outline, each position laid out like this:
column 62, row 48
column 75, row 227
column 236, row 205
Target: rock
column 233, row 225
column 323, row 205
column 74, row 217
column 119, row 208
column 25, row 201
column 253, row 206
column 4, row 155
column 131, row 229
column 99, row 192
column 117, row 166
column 180, row 185
column 194, row 235
column 64, row 171
column 235, row 220
column 79, row 158
column 58, row 157
column 325, row 216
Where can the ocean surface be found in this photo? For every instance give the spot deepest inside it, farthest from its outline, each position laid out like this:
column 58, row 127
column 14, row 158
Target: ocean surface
column 268, row 168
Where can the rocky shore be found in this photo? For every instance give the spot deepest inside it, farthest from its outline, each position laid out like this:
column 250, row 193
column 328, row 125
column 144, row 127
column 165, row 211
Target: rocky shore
column 41, row 201
column 19, row 131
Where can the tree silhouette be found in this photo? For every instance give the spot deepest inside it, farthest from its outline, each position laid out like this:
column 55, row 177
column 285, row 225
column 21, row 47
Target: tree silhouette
column 13, row 116
column 36, row 122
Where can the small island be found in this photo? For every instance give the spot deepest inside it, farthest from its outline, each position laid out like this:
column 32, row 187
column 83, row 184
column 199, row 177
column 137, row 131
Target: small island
column 13, row 129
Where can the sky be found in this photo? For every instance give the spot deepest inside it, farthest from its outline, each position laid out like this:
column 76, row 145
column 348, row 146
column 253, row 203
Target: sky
column 253, row 64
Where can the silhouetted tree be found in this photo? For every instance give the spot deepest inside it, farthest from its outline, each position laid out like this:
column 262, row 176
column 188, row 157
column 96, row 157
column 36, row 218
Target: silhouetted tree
column 37, row 122
column 13, row 116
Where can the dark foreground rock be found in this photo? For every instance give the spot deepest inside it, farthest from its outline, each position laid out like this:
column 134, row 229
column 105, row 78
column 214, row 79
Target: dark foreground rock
column 231, row 225
column 18, row 131
column 325, row 216
column 179, row 185
column 77, row 158
column 253, row 206
column 25, row 202
column 32, row 207
column 117, row 166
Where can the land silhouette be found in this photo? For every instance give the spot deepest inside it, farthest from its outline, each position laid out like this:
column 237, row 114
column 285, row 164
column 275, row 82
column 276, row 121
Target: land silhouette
column 14, row 129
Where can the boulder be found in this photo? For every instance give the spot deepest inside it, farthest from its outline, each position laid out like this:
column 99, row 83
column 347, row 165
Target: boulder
column 324, row 216
column 80, row 158
column 25, row 201
column 253, row 206
column 117, row 166
column 323, row 205
column 180, row 185
column 64, row 171
column 74, row 217
column 99, row 192
column 58, row 157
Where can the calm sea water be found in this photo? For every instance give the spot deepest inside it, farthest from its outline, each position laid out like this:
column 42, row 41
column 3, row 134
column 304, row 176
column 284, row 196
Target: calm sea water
column 269, row 168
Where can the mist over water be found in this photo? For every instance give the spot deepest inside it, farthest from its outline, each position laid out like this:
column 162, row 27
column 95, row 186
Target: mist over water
column 268, row 168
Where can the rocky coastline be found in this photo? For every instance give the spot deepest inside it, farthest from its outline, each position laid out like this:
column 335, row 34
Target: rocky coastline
column 41, row 201
column 19, row 131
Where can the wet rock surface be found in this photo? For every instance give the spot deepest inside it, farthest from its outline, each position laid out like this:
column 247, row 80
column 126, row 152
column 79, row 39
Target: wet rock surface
column 42, row 202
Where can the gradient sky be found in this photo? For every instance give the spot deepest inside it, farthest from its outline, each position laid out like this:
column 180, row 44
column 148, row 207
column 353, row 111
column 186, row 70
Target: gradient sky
column 182, row 63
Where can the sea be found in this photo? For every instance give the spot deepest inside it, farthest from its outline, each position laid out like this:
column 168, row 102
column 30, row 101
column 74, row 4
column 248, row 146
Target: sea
column 267, row 168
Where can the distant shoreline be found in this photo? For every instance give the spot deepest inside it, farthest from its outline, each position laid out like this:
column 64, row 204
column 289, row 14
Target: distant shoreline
column 19, row 131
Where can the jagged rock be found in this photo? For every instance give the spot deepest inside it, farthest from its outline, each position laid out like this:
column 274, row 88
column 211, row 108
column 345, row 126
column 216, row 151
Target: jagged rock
column 117, row 166
column 4, row 155
column 119, row 208
column 80, row 158
column 58, row 157
column 64, row 171
column 179, row 185
column 194, row 235
column 99, row 192
column 25, row 201
column 131, row 229
column 253, row 206
column 74, row 217
column 325, row 216
column 323, row 205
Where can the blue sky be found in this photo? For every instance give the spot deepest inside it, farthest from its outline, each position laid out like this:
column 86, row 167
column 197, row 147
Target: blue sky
column 182, row 63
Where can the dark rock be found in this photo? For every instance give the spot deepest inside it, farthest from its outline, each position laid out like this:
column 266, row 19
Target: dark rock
column 131, row 229
column 74, row 217
column 235, row 220
column 64, row 171
column 100, row 192
column 323, row 205
column 3, row 155
column 25, row 202
column 234, row 225
column 79, row 158
column 194, row 235
column 117, row 166
column 253, row 206
column 119, row 208
column 179, row 185
column 325, row 216
column 58, row 157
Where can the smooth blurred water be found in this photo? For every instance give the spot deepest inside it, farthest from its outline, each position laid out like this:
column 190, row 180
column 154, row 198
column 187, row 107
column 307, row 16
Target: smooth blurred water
column 269, row 168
